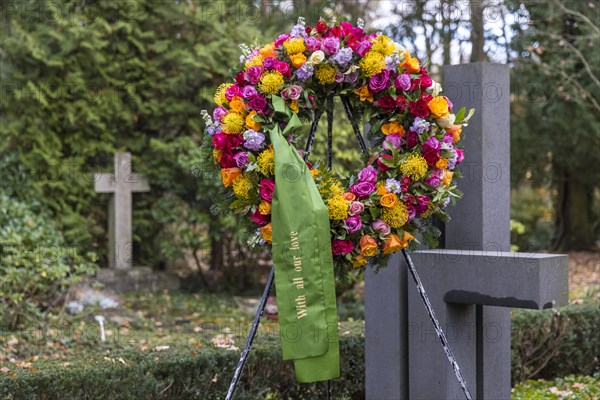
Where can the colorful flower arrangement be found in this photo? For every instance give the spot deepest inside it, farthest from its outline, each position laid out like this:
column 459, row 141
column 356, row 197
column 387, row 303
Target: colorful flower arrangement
column 414, row 134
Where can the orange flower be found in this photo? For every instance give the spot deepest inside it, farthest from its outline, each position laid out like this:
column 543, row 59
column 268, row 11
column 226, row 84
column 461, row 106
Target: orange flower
column 411, row 64
column 298, row 60
column 349, row 196
column 447, row 178
column 264, row 208
column 358, row 261
column 267, row 232
column 251, row 123
column 294, row 106
column 455, row 130
column 228, row 175
column 392, row 128
column 368, row 246
column 389, row 200
column 381, row 190
column 237, row 104
column 364, row 94
column 438, row 107
column 392, row 244
column 441, row 163
column 406, row 239
column 268, row 51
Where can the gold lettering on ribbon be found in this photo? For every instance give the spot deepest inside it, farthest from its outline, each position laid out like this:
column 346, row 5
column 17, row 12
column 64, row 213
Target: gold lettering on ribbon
column 298, row 279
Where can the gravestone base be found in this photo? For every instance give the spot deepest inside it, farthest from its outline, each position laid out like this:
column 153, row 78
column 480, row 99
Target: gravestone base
column 142, row 279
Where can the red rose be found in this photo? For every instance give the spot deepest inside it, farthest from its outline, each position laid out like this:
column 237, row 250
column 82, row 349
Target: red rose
column 233, row 141
column 339, row 247
column 431, row 156
column 387, row 103
column 308, row 29
column 240, row 80
column 404, row 183
column 227, row 160
column 259, row 104
column 401, row 103
column 322, row 27
column 426, row 97
column 336, row 31
column 419, row 108
column 412, row 139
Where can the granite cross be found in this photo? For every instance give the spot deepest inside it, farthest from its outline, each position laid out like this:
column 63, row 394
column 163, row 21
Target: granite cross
column 121, row 184
column 472, row 282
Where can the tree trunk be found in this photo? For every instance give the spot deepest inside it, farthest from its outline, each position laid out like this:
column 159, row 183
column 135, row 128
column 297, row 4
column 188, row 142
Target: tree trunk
column 477, row 37
column 573, row 220
column 216, row 254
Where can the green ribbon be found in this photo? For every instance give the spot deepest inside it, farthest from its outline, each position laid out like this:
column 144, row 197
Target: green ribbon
column 303, row 261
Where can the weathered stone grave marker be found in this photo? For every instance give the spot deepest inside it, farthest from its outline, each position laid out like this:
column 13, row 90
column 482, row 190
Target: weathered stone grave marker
column 472, row 282
column 120, row 276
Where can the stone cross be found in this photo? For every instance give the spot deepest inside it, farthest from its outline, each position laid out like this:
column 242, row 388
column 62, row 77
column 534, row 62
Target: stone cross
column 121, row 184
column 472, row 282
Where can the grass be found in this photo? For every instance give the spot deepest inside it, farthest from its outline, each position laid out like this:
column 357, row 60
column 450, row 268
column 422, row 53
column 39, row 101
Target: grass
column 572, row 387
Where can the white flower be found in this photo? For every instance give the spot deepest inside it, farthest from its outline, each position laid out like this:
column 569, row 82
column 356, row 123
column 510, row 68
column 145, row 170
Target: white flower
column 398, row 48
column 316, row 57
column 446, row 122
column 435, row 88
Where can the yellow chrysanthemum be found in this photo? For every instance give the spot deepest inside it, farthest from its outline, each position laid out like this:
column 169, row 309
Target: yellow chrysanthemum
column 271, row 82
column 255, row 61
column 242, row 186
column 383, row 44
column 396, row 216
column 294, row 45
column 415, row 167
column 338, row 208
column 233, row 123
column 372, row 63
column 325, row 74
column 266, row 162
column 219, row 96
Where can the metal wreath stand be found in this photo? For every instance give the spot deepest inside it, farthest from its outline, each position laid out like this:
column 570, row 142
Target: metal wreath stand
column 411, row 267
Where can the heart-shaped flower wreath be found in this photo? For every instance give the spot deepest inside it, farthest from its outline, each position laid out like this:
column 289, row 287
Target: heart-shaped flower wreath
column 413, row 134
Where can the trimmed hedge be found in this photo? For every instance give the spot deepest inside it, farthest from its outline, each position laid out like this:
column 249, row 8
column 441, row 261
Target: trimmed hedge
column 545, row 343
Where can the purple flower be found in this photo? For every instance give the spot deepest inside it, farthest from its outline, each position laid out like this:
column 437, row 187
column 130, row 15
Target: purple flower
column 392, row 185
column 351, row 77
column 402, row 82
column 253, row 140
column 269, row 63
column 298, row 30
column 312, row 43
column 382, row 227
column 330, row 45
column 448, row 139
column 368, row 174
column 249, row 92
column 241, row 159
column 219, row 113
column 420, row 125
column 362, row 189
column 253, row 74
column 422, row 204
column 353, row 224
column 379, row 82
column 343, row 57
column 391, row 62
column 395, row 140
column 431, row 144
column 435, row 179
column 412, row 139
column 412, row 212
column 305, row 72
column 339, row 77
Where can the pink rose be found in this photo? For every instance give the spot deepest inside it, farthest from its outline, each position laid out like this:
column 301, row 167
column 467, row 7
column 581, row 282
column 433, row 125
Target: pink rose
column 249, row 92
column 265, row 189
column 220, row 141
column 312, row 43
column 382, row 227
column 258, row 103
column 231, row 92
column 379, row 82
column 394, row 140
column 460, row 156
column 330, row 45
column 284, row 68
column 340, row 247
column 353, row 224
column 269, row 63
column 362, row 189
column 402, row 82
column 356, row 208
column 368, row 174
column 219, row 113
column 258, row 218
column 253, row 74
column 363, row 47
column 281, row 38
